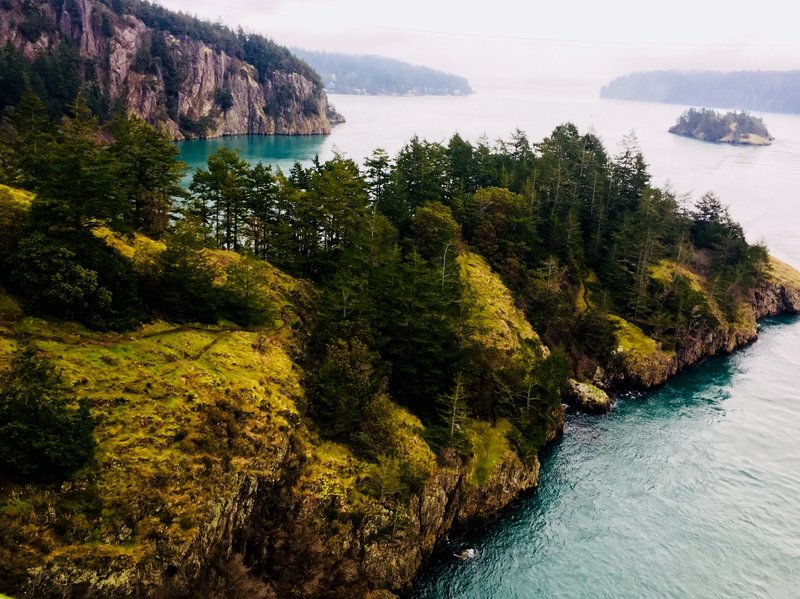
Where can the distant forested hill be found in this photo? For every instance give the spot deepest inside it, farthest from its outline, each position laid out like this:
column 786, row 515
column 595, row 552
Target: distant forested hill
column 769, row 91
column 378, row 75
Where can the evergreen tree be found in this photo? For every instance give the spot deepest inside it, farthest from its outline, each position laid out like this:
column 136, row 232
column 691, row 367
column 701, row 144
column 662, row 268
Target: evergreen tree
column 219, row 198
column 150, row 173
column 27, row 147
column 80, row 188
column 378, row 177
column 45, row 433
column 263, row 214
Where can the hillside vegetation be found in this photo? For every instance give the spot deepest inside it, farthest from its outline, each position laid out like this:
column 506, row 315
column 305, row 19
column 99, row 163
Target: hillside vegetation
column 766, row 91
column 381, row 76
column 294, row 384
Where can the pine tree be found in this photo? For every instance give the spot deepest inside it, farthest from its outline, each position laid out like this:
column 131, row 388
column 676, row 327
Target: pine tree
column 150, row 173
column 45, row 433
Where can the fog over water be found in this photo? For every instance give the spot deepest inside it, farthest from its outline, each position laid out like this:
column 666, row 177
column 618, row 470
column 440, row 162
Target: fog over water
column 506, row 41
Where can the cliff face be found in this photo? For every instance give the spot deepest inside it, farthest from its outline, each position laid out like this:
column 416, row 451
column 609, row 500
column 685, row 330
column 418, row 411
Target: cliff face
column 207, row 481
column 177, row 82
column 642, row 363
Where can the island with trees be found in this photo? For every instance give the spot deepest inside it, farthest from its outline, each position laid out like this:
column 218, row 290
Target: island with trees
column 381, row 76
column 738, row 128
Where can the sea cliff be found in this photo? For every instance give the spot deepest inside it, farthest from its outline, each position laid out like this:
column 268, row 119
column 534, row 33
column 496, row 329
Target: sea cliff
column 209, row 482
column 245, row 440
column 189, row 82
column 643, row 364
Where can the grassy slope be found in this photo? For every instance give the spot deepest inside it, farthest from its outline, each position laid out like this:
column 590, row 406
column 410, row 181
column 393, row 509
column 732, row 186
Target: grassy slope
column 182, row 411
column 494, row 321
column 642, row 355
column 179, row 410
column 782, row 273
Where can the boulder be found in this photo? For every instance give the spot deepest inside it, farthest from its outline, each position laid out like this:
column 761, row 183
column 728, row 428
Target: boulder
column 586, row 397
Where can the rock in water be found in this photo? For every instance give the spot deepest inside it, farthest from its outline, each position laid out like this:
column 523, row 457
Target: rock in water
column 467, row 553
column 586, row 397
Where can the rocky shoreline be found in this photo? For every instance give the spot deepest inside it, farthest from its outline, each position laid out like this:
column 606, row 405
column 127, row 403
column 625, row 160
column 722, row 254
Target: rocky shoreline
column 266, row 537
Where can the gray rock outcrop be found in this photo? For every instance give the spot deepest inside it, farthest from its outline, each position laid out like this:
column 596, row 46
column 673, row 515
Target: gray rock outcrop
column 183, row 99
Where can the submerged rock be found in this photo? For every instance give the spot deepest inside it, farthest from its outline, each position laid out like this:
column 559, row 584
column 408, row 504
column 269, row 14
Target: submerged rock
column 467, row 553
column 586, row 397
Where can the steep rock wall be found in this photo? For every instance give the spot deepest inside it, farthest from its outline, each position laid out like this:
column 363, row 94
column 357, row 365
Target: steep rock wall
column 183, row 99
column 644, row 368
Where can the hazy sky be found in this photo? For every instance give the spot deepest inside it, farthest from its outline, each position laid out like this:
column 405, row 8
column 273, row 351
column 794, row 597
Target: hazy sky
column 508, row 41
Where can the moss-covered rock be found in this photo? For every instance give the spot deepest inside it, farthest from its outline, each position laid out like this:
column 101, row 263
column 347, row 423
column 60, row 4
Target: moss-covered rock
column 586, row 397
column 204, row 463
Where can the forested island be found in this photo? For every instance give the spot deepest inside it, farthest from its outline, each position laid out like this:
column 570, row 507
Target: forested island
column 187, row 77
column 295, row 384
column 738, row 128
column 381, row 76
column 767, row 91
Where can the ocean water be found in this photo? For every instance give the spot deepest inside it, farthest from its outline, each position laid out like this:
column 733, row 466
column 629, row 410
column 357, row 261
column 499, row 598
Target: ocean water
column 692, row 490
column 761, row 185
column 688, row 491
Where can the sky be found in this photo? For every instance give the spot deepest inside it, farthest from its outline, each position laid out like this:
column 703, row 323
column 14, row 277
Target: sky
column 507, row 42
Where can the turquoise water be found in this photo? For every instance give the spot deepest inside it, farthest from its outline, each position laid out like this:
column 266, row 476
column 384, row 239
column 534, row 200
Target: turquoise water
column 689, row 491
column 282, row 151
column 762, row 185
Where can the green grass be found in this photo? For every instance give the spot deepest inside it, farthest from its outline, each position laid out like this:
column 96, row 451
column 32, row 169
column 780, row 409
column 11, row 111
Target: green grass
column 641, row 354
column 784, row 274
column 495, row 319
column 177, row 413
column 16, row 198
column 184, row 412
column 181, row 411
column 490, row 448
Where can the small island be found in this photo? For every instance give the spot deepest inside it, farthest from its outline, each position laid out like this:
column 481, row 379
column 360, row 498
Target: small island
column 739, row 128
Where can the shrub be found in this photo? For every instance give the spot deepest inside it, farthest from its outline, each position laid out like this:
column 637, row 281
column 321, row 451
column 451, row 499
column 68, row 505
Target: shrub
column 182, row 286
column 76, row 277
column 224, row 99
column 45, row 434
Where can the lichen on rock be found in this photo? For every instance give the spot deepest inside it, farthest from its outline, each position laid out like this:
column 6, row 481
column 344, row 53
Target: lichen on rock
column 586, row 397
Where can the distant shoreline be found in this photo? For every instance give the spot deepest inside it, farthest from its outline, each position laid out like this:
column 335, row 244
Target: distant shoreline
column 753, row 141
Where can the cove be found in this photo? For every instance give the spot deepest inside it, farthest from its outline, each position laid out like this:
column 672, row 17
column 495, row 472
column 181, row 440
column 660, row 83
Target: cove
column 691, row 490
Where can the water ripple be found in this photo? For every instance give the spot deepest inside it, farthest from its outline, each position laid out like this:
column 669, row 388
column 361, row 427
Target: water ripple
column 691, row 491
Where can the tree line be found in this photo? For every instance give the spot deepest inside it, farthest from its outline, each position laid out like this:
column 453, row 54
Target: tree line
column 768, row 91
column 562, row 222
column 378, row 75
column 711, row 125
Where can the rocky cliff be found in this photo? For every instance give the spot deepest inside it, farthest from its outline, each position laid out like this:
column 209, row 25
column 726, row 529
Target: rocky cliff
column 189, row 78
column 208, row 481
column 642, row 363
